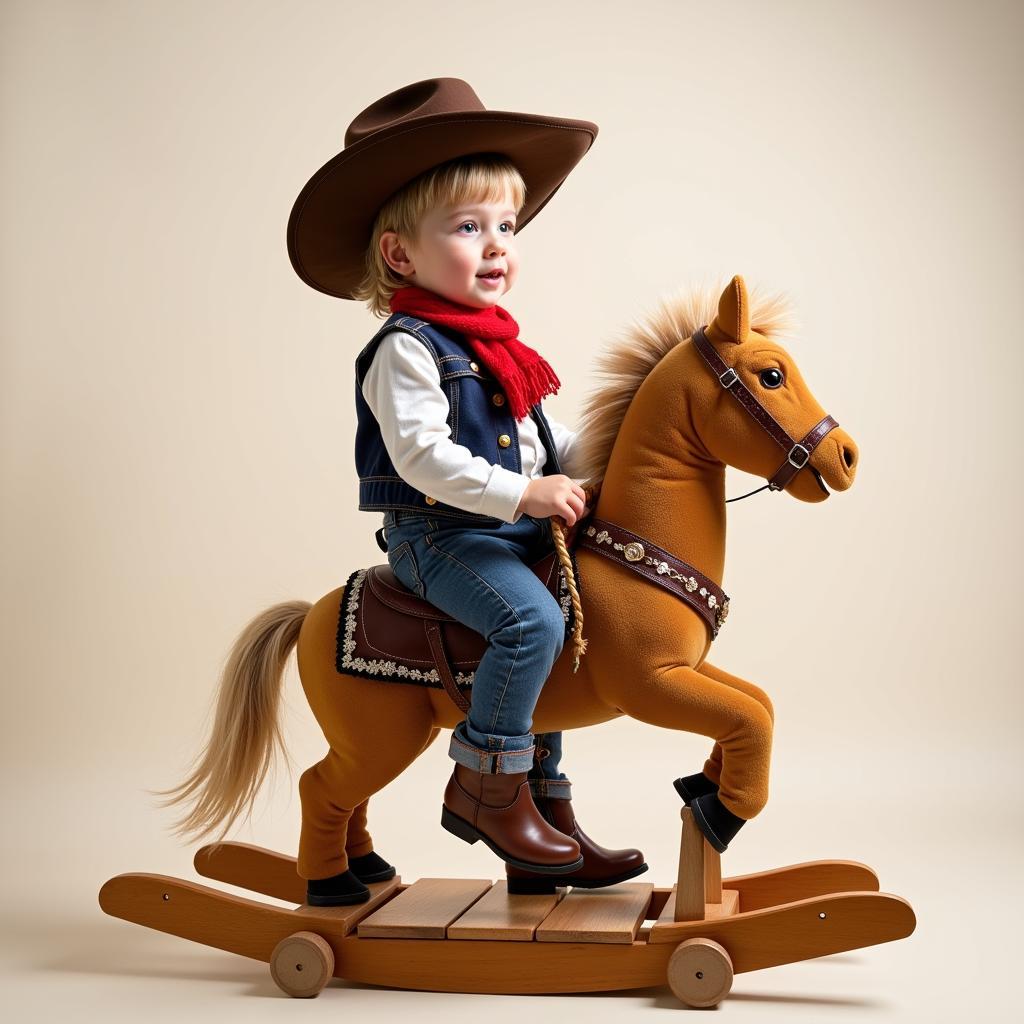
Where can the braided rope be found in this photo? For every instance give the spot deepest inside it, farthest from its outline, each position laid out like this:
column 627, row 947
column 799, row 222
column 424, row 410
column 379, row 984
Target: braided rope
column 578, row 642
column 558, row 531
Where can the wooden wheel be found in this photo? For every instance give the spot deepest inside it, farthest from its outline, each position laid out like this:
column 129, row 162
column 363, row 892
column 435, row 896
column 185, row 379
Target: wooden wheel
column 302, row 964
column 700, row 972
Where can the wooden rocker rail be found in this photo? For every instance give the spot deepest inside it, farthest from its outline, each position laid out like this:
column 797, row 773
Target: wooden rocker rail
column 776, row 917
column 755, row 940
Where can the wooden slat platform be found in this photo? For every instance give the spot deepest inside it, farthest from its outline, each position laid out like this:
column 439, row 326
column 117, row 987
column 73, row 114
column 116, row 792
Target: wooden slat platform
column 612, row 914
column 425, row 909
column 496, row 915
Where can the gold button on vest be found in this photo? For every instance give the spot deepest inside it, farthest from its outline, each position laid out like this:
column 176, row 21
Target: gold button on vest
column 430, row 501
column 474, row 367
column 498, row 399
column 504, row 440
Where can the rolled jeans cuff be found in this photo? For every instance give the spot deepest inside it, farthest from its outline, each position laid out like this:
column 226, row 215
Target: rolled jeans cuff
column 508, row 762
column 553, row 789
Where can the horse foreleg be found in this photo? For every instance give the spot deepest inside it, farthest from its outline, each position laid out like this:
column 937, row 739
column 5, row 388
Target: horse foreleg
column 713, row 766
column 680, row 697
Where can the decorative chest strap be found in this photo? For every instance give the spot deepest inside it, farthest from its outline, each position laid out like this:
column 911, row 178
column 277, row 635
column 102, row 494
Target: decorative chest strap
column 660, row 567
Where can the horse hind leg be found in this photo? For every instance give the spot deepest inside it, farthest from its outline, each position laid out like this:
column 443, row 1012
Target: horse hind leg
column 336, row 791
column 358, row 841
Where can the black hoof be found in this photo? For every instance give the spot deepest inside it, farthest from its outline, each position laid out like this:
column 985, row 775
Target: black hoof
column 692, row 786
column 336, row 891
column 371, row 867
column 716, row 821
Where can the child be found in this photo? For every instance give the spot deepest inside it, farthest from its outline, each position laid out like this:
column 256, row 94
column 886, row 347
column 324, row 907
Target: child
column 418, row 217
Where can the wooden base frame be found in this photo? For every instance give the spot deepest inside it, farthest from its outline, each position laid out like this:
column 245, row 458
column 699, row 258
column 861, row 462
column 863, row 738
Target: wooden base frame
column 470, row 935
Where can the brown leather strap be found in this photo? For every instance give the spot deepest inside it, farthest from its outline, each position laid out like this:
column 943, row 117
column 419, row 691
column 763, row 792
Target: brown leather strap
column 658, row 566
column 433, row 629
column 798, row 454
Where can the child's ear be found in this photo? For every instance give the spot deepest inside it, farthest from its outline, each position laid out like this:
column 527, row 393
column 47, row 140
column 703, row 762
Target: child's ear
column 394, row 253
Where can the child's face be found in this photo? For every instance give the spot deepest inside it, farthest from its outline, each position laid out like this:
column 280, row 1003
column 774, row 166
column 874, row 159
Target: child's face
column 459, row 244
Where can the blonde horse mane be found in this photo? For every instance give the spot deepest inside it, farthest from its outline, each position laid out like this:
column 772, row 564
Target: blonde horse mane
column 640, row 346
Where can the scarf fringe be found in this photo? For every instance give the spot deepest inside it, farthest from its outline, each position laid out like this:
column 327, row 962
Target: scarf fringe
column 538, row 379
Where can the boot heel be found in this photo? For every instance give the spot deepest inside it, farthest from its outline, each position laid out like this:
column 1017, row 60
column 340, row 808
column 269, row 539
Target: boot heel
column 454, row 824
column 530, row 886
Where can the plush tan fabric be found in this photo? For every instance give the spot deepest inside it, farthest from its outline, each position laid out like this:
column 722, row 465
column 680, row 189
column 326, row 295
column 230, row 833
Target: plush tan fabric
column 665, row 480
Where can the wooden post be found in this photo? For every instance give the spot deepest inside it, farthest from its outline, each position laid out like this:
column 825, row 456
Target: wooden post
column 690, row 880
column 699, row 880
column 712, row 874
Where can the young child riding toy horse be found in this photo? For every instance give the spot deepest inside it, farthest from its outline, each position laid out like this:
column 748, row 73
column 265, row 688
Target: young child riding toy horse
column 418, row 217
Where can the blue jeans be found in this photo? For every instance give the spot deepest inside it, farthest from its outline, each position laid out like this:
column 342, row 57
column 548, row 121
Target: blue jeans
column 481, row 576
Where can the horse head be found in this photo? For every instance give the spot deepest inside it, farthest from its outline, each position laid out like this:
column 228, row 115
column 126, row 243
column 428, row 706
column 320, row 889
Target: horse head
column 704, row 384
column 746, row 434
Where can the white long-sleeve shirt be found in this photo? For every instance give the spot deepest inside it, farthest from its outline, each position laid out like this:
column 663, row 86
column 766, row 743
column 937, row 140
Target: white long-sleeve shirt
column 402, row 387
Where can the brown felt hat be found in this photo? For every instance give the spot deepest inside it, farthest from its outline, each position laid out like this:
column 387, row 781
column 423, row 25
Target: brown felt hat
column 399, row 137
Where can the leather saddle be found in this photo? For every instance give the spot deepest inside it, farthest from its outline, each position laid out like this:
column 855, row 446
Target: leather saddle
column 388, row 633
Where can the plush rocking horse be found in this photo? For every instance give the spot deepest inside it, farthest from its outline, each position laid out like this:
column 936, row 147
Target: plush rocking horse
column 698, row 387
column 702, row 385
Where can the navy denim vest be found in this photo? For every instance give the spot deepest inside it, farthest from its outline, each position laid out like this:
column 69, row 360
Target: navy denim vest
column 478, row 416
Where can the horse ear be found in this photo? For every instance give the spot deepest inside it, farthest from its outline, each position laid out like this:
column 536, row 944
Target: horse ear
column 732, row 323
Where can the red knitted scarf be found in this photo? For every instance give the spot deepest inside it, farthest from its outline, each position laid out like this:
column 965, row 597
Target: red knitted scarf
column 493, row 335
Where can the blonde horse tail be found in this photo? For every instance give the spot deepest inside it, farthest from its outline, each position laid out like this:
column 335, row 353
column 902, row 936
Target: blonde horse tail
column 246, row 733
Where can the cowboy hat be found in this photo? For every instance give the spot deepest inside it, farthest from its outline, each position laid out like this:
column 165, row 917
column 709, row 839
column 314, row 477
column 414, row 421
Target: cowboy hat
column 399, row 137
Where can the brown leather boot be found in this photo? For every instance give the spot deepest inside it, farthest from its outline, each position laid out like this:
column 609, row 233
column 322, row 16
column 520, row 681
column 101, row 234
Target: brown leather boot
column 499, row 809
column 601, row 866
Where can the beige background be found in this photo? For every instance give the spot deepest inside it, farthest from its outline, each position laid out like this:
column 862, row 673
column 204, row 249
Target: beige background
column 178, row 432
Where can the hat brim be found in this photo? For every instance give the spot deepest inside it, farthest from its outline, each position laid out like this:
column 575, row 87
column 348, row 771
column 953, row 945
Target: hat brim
column 331, row 221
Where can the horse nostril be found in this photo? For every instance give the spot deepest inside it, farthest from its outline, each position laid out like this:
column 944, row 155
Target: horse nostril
column 848, row 457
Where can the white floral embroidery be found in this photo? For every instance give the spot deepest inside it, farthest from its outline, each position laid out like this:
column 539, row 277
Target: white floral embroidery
column 635, row 552
column 565, row 598
column 376, row 666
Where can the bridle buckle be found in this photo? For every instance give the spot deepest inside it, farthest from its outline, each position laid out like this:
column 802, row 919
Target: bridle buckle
column 799, row 454
column 792, row 452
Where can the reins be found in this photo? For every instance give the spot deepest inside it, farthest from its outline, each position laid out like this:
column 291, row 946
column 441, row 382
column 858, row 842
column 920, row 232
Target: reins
column 558, row 532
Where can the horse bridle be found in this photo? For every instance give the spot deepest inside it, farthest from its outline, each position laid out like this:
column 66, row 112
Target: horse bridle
column 661, row 567
column 798, row 453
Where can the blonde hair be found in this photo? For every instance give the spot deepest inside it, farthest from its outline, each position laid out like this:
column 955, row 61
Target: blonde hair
column 479, row 177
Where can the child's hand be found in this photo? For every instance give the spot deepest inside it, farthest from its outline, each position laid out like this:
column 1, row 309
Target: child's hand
column 554, row 495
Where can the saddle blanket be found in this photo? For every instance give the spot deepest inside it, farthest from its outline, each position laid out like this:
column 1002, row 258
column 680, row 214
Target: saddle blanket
column 381, row 631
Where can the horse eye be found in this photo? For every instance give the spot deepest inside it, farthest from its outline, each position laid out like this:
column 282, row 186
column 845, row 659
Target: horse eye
column 771, row 378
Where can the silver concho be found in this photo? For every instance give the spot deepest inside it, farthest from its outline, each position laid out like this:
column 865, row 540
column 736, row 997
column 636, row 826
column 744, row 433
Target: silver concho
column 633, row 551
